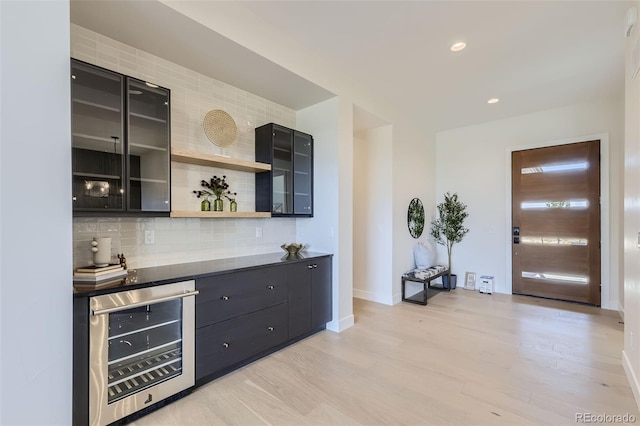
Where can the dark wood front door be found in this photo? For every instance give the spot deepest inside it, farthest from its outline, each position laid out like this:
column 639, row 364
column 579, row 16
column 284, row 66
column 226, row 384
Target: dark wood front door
column 556, row 222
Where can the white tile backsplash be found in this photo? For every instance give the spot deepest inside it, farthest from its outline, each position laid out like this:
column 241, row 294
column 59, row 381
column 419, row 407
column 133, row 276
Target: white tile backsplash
column 192, row 96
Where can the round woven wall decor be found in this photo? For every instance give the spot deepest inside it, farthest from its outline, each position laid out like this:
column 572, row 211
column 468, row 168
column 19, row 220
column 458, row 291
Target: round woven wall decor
column 220, row 128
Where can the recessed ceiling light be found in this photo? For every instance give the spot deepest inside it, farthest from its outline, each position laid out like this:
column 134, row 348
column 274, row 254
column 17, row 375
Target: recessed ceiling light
column 493, row 101
column 458, row 46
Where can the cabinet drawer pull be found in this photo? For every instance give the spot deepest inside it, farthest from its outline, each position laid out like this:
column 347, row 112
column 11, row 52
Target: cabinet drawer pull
column 270, row 287
column 315, row 266
column 225, row 298
column 270, row 328
column 225, row 344
column 309, row 266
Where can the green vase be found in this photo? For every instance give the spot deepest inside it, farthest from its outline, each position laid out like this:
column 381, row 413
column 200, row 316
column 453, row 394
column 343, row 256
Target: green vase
column 217, row 205
column 205, row 205
column 233, row 206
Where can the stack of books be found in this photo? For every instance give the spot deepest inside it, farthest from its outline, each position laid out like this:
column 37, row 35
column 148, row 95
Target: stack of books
column 95, row 274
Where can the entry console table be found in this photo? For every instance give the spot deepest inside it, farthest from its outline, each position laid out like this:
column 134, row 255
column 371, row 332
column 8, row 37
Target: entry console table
column 424, row 276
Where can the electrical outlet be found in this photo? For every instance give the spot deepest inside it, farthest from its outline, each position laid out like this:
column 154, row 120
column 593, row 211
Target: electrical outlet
column 258, row 231
column 149, row 236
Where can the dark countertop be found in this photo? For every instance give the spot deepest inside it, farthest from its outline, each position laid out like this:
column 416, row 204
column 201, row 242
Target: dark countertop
column 157, row 275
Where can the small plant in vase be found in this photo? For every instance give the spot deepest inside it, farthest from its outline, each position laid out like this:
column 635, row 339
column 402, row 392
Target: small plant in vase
column 233, row 206
column 215, row 186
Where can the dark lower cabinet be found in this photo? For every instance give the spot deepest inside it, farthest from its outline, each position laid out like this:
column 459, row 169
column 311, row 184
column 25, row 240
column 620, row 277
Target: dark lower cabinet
column 321, row 293
column 299, row 300
column 238, row 293
column 229, row 342
column 243, row 315
column 309, row 295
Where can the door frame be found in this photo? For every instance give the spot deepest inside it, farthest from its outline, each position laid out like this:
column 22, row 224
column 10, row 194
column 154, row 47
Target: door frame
column 606, row 299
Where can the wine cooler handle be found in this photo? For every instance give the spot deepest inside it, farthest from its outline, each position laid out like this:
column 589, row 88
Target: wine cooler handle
column 143, row 303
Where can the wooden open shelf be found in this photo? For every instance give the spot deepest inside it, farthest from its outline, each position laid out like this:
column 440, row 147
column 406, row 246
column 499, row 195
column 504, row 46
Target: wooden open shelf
column 229, row 215
column 192, row 157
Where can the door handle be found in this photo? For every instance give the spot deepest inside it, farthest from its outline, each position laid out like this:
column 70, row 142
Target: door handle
column 144, row 303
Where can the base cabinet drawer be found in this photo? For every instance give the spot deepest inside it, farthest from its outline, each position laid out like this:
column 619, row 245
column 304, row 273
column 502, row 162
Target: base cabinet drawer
column 229, row 342
column 228, row 296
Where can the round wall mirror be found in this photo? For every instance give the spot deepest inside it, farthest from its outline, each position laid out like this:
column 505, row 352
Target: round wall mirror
column 415, row 218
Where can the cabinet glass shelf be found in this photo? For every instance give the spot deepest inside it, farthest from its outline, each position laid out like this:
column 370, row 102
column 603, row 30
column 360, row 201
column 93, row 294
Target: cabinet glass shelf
column 96, row 105
column 147, row 117
column 96, row 175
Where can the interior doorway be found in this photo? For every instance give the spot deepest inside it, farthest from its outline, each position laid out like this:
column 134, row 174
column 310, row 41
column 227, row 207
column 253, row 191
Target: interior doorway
column 556, row 236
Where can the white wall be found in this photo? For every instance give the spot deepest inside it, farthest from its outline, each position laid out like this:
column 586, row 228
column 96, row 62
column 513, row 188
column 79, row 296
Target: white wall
column 414, row 175
column 192, row 96
column 474, row 162
column 413, row 155
column 331, row 124
column 373, row 215
column 631, row 352
column 35, row 221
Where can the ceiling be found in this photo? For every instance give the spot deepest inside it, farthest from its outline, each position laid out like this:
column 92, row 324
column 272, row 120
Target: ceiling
column 532, row 55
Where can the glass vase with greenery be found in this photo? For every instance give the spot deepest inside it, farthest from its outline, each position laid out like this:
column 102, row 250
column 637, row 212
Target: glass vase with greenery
column 215, row 186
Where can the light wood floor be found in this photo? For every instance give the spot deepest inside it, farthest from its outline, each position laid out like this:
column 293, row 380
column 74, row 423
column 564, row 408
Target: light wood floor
column 465, row 359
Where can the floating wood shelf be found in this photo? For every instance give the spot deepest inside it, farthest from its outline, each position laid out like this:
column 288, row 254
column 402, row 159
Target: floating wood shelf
column 192, row 157
column 228, row 215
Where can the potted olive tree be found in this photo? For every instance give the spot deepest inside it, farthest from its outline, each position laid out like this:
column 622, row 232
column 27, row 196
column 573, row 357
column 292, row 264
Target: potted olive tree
column 448, row 229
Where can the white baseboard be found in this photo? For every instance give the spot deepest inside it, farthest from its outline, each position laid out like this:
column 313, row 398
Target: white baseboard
column 631, row 377
column 372, row 297
column 361, row 294
column 341, row 325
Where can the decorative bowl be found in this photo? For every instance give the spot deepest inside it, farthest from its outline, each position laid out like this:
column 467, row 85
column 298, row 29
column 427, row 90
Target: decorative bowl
column 293, row 248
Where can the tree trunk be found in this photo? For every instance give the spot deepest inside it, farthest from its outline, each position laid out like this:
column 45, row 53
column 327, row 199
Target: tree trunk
column 449, row 274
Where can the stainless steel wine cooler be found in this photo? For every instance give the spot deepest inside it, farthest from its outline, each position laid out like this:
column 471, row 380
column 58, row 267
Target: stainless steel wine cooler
column 141, row 349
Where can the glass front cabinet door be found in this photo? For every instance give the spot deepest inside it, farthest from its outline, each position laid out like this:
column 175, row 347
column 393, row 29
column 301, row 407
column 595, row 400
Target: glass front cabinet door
column 97, row 138
column 120, row 143
column 148, row 157
column 288, row 189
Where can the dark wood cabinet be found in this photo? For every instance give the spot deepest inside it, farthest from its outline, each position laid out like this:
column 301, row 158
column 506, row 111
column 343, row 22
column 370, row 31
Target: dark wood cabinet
column 237, row 293
column 227, row 343
column 310, row 295
column 246, row 308
column 244, row 315
column 287, row 190
column 238, row 315
column 120, row 143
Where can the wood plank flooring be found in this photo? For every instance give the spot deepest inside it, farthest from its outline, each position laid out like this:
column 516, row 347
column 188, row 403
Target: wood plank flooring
column 464, row 359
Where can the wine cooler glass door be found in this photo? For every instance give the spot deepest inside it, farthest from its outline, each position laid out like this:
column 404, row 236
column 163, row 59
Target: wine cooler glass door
column 140, row 350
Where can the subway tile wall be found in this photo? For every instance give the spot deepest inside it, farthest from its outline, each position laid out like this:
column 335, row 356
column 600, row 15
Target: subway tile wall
column 192, row 96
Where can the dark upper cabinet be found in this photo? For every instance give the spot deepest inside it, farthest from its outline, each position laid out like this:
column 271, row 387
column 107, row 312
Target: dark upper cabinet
column 120, row 143
column 288, row 189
